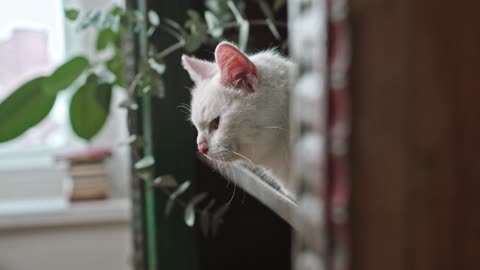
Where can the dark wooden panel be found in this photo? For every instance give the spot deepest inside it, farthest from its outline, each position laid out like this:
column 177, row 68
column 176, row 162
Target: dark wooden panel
column 446, row 134
column 380, row 124
column 415, row 164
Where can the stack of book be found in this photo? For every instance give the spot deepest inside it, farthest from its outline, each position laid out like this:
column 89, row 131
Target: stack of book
column 90, row 174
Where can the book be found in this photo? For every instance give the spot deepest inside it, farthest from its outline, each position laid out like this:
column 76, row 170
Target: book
column 90, row 174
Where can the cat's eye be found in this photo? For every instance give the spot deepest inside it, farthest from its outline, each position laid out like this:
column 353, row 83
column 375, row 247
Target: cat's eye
column 214, row 123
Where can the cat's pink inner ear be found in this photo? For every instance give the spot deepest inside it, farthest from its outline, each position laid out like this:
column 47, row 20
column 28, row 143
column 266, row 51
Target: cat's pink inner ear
column 198, row 69
column 235, row 68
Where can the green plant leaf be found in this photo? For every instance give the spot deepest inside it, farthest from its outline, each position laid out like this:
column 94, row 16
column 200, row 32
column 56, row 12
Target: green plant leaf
column 65, row 75
column 104, row 38
column 23, row 109
column 165, row 181
column 116, row 10
column 145, row 163
column 90, row 19
column 205, row 218
column 144, row 167
column 153, row 18
column 217, row 217
column 115, row 65
column 194, row 15
column 150, row 31
column 176, row 26
column 189, row 214
column 87, row 116
column 215, row 26
column 194, row 40
column 104, row 96
column 243, row 35
column 158, row 88
column 72, row 14
column 278, row 4
column 235, row 10
column 132, row 139
column 156, row 66
column 171, row 200
column 129, row 105
column 267, row 11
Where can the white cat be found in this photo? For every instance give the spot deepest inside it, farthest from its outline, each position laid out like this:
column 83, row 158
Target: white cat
column 240, row 108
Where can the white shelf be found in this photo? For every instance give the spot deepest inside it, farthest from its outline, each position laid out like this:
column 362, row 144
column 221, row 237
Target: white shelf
column 280, row 204
column 77, row 213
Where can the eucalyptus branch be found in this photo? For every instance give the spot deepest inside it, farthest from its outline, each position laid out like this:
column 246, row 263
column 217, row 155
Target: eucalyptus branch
column 177, row 200
column 134, row 146
column 172, row 48
column 235, row 24
column 134, row 83
column 235, row 11
column 171, row 32
column 216, row 217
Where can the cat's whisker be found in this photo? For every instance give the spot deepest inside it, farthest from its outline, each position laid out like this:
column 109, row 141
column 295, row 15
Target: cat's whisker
column 234, row 183
column 222, row 168
column 240, row 155
column 273, row 127
column 234, row 180
column 185, row 108
column 225, row 163
column 243, row 198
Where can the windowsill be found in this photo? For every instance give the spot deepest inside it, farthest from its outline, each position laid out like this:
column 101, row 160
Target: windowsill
column 280, row 204
column 78, row 213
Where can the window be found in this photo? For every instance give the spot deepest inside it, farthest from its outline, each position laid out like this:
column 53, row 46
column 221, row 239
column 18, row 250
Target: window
column 35, row 38
column 32, row 43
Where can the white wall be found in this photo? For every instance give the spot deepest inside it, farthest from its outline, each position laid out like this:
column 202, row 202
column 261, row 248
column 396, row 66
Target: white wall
column 84, row 247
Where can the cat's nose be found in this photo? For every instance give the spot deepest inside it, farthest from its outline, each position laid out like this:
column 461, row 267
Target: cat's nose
column 203, row 148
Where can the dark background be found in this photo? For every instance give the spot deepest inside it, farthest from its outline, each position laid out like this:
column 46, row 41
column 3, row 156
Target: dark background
column 252, row 237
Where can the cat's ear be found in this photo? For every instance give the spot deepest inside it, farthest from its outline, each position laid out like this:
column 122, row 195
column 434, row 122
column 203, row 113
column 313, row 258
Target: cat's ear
column 198, row 69
column 235, row 68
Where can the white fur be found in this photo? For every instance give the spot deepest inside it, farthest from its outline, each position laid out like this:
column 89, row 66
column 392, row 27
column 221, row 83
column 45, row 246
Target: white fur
column 254, row 125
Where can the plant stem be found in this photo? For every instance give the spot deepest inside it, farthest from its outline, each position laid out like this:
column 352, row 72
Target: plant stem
column 133, row 85
column 183, row 203
column 171, row 49
column 229, row 25
column 172, row 32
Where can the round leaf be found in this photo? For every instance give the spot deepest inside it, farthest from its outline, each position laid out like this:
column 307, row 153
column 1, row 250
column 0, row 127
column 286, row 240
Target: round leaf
column 145, row 163
column 153, row 18
column 156, row 66
column 87, row 116
column 215, row 26
column 23, row 109
column 171, row 199
column 104, row 38
column 190, row 209
column 104, row 96
column 72, row 14
column 65, row 75
column 115, row 65
column 165, row 181
column 205, row 218
column 278, row 4
column 189, row 215
column 116, row 10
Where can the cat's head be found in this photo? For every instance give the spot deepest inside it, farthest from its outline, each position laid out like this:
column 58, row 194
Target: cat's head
column 228, row 105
